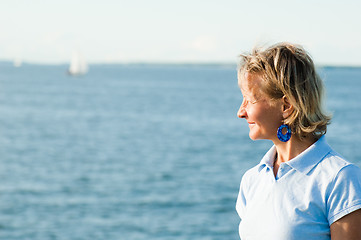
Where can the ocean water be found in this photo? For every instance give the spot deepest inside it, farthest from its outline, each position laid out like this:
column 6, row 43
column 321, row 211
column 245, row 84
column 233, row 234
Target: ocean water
column 136, row 151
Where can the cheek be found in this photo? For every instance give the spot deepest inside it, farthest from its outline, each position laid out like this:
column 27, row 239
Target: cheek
column 267, row 116
column 256, row 113
column 273, row 118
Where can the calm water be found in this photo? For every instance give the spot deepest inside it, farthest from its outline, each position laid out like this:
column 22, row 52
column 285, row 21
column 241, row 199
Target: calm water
column 136, row 151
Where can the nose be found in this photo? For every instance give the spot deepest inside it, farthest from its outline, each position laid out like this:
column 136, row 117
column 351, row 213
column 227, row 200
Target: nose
column 241, row 112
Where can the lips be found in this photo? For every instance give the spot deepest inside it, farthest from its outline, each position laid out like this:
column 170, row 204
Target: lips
column 251, row 124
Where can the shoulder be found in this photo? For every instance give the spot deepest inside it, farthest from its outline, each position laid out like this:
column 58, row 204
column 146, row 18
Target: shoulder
column 340, row 169
column 251, row 177
column 343, row 192
column 266, row 162
column 248, row 180
column 334, row 170
column 252, row 173
column 333, row 164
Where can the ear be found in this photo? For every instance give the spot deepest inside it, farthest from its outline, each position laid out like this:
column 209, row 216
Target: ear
column 287, row 107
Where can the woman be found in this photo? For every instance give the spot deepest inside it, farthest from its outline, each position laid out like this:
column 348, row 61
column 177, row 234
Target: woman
column 301, row 189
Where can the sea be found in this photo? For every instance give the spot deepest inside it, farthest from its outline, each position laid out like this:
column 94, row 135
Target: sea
column 137, row 151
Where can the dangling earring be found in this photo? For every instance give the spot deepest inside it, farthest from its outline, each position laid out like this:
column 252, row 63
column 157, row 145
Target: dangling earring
column 284, row 137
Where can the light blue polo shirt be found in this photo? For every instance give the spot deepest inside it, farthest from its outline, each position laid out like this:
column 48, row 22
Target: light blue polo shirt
column 310, row 192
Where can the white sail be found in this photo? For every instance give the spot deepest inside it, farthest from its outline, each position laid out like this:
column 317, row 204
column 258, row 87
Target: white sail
column 17, row 62
column 78, row 65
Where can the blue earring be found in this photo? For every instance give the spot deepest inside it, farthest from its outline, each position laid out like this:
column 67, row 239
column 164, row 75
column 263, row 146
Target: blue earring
column 284, row 137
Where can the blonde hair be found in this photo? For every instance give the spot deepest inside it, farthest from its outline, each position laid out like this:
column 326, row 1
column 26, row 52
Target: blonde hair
column 287, row 70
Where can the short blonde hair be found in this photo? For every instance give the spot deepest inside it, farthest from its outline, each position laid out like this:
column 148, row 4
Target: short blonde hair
column 287, row 70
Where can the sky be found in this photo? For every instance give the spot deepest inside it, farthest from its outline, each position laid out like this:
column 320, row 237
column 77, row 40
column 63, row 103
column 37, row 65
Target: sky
column 176, row 31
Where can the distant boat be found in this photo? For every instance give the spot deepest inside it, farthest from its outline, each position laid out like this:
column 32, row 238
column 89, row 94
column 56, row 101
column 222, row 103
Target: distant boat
column 78, row 65
column 17, row 62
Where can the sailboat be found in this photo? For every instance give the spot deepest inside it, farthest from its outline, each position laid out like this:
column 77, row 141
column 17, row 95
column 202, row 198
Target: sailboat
column 78, row 65
column 17, row 62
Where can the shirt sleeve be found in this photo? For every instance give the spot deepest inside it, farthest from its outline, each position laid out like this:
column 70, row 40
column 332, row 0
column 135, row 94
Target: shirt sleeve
column 241, row 199
column 344, row 196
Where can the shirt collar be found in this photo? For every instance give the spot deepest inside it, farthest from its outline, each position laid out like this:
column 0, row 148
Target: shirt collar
column 268, row 159
column 305, row 161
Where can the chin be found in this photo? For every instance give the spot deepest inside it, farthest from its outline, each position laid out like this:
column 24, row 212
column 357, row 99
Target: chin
column 252, row 137
column 255, row 137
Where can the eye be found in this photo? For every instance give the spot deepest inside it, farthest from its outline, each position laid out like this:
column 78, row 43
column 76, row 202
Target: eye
column 253, row 101
column 249, row 100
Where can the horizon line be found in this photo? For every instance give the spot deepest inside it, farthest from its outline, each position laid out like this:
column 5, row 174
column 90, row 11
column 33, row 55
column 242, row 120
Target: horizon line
column 219, row 63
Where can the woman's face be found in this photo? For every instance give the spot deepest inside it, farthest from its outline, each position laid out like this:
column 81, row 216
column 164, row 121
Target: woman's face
column 263, row 115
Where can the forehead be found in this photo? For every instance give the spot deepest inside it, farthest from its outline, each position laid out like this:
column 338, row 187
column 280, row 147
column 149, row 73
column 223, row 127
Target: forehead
column 249, row 82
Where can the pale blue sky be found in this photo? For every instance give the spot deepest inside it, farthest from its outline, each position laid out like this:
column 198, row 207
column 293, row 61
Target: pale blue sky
column 176, row 30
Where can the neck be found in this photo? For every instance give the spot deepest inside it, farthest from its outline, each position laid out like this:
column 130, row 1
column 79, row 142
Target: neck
column 289, row 150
